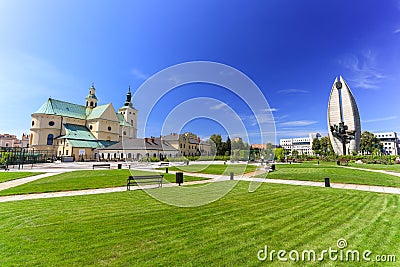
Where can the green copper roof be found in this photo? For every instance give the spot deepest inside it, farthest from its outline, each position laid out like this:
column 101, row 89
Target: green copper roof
column 61, row 108
column 77, row 132
column 97, row 112
column 122, row 120
column 85, row 144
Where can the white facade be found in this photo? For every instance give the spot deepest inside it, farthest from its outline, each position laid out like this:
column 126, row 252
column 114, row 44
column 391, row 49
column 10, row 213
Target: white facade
column 302, row 144
column 389, row 141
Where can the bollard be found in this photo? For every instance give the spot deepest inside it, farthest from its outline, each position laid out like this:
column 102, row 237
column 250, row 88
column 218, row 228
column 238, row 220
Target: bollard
column 231, row 175
column 179, row 178
column 166, row 170
column 327, row 182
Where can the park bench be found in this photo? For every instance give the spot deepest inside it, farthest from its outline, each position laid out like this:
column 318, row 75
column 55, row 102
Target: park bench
column 102, row 166
column 5, row 167
column 148, row 179
column 164, row 164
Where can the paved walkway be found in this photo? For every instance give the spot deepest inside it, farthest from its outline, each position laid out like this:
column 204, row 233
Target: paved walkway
column 210, row 178
column 372, row 170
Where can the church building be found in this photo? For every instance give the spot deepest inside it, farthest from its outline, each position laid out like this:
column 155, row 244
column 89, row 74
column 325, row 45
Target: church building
column 77, row 130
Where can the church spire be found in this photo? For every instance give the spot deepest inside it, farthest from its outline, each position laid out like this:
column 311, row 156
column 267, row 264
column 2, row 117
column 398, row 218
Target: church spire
column 91, row 99
column 128, row 101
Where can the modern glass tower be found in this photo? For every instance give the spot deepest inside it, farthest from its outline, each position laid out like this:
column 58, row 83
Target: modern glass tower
column 343, row 119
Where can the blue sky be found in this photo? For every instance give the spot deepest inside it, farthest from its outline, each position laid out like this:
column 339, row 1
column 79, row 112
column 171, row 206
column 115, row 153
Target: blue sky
column 292, row 50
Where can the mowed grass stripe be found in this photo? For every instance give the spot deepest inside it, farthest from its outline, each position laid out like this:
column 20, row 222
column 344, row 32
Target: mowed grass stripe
column 96, row 230
column 81, row 180
column 313, row 172
column 9, row 176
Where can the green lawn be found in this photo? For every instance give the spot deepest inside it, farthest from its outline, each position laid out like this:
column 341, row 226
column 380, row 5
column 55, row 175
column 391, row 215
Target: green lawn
column 391, row 168
column 8, row 176
column 78, row 180
column 133, row 229
column 237, row 169
column 314, row 172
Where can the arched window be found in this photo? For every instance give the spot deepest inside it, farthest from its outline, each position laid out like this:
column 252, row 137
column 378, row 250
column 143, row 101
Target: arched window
column 50, row 138
column 91, row 103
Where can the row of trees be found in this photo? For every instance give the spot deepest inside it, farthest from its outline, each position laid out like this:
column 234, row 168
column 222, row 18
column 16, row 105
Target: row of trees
column 322, row 146
column 369, row 145
column 221, row 148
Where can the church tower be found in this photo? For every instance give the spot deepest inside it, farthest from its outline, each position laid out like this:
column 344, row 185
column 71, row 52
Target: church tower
column 91, row 99
column 130, row 115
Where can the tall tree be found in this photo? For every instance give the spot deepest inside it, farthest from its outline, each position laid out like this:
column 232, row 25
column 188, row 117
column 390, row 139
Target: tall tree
column 228, row 146
column 316, row 146
column 369, row 143
column 217, row 139
column 279, row 154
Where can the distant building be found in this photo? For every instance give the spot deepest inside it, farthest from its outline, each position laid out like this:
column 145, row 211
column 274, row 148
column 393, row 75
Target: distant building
column 10, row 140
column 389, row 141
column 187, row 143
column 237, row 139
column 205, row 148
column 259, row 146
column 302, row 144
column 138, row 149
column 77, row 130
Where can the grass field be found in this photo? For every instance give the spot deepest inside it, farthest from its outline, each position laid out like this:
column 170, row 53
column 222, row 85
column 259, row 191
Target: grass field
column 237, row 169
column 391, row 168
column 313, row 172
column 78, row 180
column 132, row 229
column 8, row 176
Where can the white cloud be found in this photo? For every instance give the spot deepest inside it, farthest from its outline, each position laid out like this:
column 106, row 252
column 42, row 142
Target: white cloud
column 380, row 119
column 293, row 91
column 396, row 30
column 139, row 74
column 297, row 123
column 218, row 106
column 174, row 79
column 363, row 70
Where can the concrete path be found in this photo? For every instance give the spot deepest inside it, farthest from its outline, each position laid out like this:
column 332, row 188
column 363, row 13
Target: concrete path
column 371, row 170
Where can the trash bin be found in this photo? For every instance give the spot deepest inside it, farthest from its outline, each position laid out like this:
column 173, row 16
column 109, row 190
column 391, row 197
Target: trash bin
column 179, row 178
column 119, row 166
column 232, row 174
column 273, row 167
column 327, row 182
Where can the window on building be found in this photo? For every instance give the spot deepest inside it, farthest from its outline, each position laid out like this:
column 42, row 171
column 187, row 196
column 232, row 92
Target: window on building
column 33, row 123
column 109, row 128
column 91, row 104
column 91, row 127
column 51, row 123
column 50, row 139
column 124, row 132
column 66, row 152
